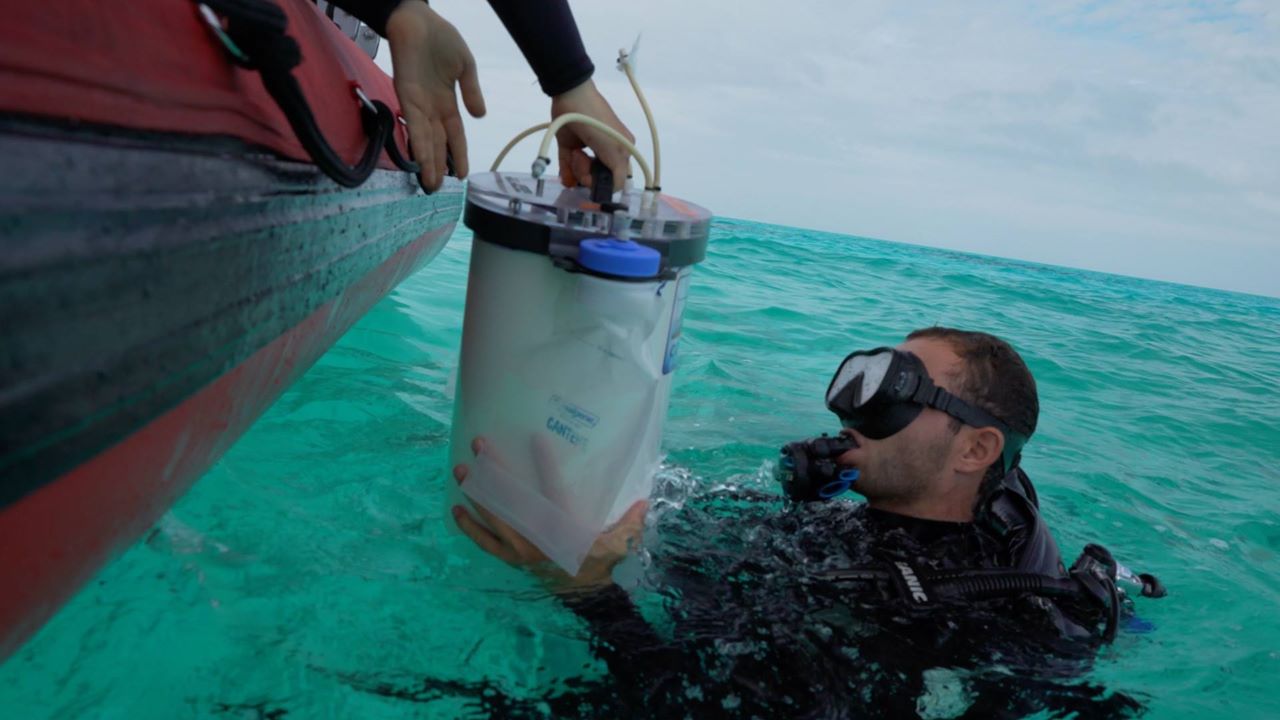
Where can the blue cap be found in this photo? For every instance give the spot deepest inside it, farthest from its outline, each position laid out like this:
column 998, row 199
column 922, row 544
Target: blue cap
column 623, row 258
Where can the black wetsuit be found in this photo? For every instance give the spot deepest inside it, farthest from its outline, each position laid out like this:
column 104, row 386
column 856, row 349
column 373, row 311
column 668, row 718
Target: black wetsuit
column 744, row 626
column 732, row 618
column 544, row 30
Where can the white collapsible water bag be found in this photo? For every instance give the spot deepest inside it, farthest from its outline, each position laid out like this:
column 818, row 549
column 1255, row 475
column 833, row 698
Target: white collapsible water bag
column 569, row 341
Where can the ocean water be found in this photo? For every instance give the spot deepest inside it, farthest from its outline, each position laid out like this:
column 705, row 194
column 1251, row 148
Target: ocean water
column 310, row 573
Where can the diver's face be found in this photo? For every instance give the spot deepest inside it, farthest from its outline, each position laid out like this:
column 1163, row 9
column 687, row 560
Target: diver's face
column 906, row 465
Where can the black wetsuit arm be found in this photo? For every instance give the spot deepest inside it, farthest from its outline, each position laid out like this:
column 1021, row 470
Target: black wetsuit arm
column 544, row 30
column 645, row 666
column 548, row 37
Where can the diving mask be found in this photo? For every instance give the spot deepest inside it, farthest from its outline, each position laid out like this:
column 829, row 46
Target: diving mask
column 879, row 392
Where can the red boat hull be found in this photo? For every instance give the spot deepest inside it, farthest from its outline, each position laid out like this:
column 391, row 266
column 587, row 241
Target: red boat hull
column 170, row 261
column 56, row 538
column 154, row 65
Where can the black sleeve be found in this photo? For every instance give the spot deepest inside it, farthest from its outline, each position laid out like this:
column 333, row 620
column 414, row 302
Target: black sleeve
column 647, row 669
column 548, row 36
column 373, row 13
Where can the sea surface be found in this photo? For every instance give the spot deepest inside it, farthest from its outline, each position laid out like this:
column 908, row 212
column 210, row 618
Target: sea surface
column 312, row 572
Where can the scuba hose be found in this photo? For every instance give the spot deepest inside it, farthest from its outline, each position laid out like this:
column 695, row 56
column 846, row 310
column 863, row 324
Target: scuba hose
column 1092, row 577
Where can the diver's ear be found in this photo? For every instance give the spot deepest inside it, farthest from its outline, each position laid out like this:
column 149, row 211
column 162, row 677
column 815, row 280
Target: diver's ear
column 983, row 446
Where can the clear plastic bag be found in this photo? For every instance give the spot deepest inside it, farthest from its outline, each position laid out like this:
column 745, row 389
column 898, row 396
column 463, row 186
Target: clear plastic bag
column 566, row 377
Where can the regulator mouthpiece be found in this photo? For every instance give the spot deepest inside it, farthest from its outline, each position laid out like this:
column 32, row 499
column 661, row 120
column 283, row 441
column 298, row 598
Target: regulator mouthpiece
column 808, row 471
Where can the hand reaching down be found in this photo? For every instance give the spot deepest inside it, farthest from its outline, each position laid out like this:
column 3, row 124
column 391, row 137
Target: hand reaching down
column 502, row 541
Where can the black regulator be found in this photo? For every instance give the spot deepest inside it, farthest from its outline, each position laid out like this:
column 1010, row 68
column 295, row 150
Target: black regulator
column 808, row 469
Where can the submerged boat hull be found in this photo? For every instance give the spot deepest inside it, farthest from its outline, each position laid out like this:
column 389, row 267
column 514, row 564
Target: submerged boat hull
column 157, row 293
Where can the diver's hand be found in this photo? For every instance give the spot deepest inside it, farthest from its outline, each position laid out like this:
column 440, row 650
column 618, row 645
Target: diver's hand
column 502, row 541
column 429, row 58
column 575, row 165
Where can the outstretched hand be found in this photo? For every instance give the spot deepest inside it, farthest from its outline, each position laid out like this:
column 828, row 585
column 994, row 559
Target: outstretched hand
column 574, row 138
column 502, row 541
column 429, row 59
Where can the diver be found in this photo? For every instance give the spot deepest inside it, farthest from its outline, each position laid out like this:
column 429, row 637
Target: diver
column 948, row 565
column 432, row 64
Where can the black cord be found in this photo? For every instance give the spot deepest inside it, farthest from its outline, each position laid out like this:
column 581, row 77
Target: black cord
column 258, row 28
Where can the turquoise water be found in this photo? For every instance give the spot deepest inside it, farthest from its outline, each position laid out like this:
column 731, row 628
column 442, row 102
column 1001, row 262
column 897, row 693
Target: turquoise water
column 310, row 572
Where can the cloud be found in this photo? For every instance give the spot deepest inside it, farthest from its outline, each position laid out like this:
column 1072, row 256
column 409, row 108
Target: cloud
column 1136, row 136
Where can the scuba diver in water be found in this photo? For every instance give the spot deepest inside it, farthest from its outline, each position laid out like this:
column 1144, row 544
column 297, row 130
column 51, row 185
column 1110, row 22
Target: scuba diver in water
column 946, row 577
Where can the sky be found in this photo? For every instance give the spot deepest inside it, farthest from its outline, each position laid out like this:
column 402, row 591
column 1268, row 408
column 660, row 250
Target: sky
column 1138, row 137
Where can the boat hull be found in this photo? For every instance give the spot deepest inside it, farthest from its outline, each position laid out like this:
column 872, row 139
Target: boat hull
column 157, row 293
